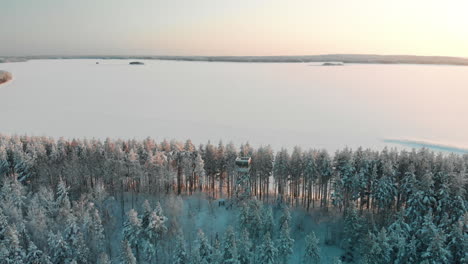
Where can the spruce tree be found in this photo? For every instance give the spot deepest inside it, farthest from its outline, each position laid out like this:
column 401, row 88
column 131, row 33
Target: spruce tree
column 284, row 243
column 245, row 248
column 352, row 232
column 36, row 256
column 103, row 259
column 203, row 248
column 127, row 256
column 268, row 222
column 180, row 255
column 230, row 255
column 132, row 230
column 267, row 252
column 312, row 250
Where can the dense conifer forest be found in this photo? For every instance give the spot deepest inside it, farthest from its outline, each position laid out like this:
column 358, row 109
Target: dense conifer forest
column 132, row 201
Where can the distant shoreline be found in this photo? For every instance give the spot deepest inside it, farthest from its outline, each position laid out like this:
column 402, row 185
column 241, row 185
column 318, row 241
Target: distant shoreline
column 5, row 77
column 427, row 144
column 342, row 58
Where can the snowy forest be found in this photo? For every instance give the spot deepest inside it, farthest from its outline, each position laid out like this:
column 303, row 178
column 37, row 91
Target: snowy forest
column 142, row 201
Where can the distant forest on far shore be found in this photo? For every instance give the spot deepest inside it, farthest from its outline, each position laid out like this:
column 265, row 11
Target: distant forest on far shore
column 344, row 58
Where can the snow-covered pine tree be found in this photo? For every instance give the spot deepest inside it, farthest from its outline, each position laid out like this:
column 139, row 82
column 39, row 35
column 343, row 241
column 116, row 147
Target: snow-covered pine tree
column 385, row 193
column 16, row 254
column 380, row 250
column 203, row 248
column 103, row 259
column 254, row 219
column 312, row 249
column 230, row 255
column 153, row 233
column 399, row 233
column 284, row 243
column 267, row 252
column 4, row 164
column 281, row 172
column 127, row 256
column 268, row 223
column 180, row 254
column 3, row 224
column 62, row 194
column 62, row 203
column 74, row 238
column 352, row 232
column 337, row 260
column 132, row 230
column 217, row 253
column 96, row 237
column 37, row 221
column 245, row 248
column 285, row 216
column 147, row 210
column 36, row 256
column 458, row 243
column 58, row 249
column 432, row 242
column 12, row 195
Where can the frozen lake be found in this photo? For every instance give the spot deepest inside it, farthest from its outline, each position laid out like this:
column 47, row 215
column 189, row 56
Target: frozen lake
column 281, row 104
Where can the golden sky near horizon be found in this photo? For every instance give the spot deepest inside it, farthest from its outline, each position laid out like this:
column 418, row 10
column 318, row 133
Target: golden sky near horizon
column 216, row 27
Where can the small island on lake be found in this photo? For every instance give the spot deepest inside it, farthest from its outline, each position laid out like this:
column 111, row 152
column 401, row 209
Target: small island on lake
column 136, row 63
column 5, row 76
column 333, row 64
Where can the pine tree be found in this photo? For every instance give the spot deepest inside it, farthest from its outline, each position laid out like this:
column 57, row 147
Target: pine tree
column 36, row 256
column 458, row 243
column 16, row 253
column 285, row 216
column 436, row 251
column 147, row 210
column 267, row 252
column 380, row 250
column 132, row 230
column 399, row 234
column 432, row 242
column 73, row 236
column 203, row 248
column 312, row 250
column 62, row 203
column 103, row 259
column 245, row 248
column 180, row 256
column 58, row 249
column 217, row 253
column 253, row 221
column 96, row 238
column 154, row 232
column 230, row 255
column 268, row 223
column 62, row 199
column 3, row 224
column 352, row 232
column 127, row 256
column 336, row 260
column 285, row 243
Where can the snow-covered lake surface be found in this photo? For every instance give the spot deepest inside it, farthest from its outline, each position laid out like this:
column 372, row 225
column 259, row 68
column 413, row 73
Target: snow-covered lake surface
column 281, row 104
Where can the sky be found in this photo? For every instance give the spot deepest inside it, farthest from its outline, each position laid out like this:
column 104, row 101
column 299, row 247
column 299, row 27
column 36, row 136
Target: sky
column 228, row 27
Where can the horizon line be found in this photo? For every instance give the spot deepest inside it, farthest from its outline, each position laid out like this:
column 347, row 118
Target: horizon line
column 232, row 56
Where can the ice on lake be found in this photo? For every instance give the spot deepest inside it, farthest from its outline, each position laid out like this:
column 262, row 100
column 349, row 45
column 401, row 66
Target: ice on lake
column 281, row 104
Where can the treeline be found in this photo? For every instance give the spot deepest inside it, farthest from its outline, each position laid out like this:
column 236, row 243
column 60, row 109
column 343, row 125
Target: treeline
column 419, row 195
column 376, row 181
